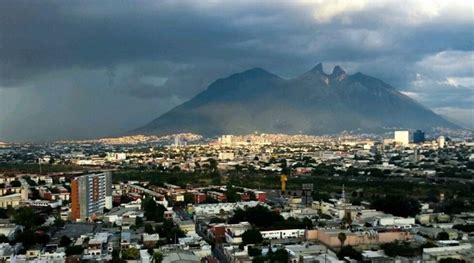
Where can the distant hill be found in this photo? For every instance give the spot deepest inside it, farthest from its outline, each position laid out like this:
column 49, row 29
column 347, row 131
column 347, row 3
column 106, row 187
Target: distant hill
column 312, row 103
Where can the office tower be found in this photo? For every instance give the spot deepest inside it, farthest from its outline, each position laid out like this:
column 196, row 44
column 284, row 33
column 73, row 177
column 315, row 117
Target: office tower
column 441, row 141
column 418, row 136
column 90, row 194
column 402, row 137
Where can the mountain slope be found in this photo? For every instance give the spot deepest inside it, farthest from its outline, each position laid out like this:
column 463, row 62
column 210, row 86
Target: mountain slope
column 313, row 103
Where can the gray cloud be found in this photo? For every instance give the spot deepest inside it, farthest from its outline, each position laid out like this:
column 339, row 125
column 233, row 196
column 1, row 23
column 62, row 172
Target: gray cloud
column 84, row 69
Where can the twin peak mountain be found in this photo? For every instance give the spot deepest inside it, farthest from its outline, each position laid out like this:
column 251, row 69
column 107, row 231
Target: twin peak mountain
column 313, row 103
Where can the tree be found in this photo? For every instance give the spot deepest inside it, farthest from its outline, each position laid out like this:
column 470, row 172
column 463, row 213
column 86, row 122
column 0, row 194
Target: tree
column 258, row 216
column 58, row 222
column 318, row 196
column 280, row 256
column 399, row 249
column 15, row 183
column 349, row 251
column 4, row 239
column 27, row 217
column 231, row 194
column 131, row 254
column 251, row 236
column 454, row 207
column 465, row 228
column 74, row 250
column 65, row 241
column 213, row 165
column 153, row 211
column 138, row 221
column 443, row 236
column 157, row 257
column 254, row 251
column 169, row 231
column 42, row 238
column 397, row 205
column 342, row 238
column 3, row 213
column 307, row 223
column 27, row 238
column 149, row 229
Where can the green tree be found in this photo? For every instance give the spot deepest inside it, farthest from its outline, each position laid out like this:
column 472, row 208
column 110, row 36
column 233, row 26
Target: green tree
column 4, row 239
column 3, row 213
column 251, row 236
column 307, row 223
column 169, row 231
column 258, row 216
column 74, row 250
column 15, row 183
column 213, row 165
column 254, row 251
column 130, row 254
column 138, row 221
column 27, row 238
column 465, row 228
column 443, row 236
column 157, row 257
column 342, row 238
column 349, row 251
column 231, row 194
column 397, row 205
column 399, row 249
column 65, row 241
column 153, row 211
column 279, row 256
column 27, row 217
column 149, row 229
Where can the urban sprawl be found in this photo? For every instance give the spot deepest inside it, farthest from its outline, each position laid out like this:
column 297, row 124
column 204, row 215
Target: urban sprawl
column 402, row 197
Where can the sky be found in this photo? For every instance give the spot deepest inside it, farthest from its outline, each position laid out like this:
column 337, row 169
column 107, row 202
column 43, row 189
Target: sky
column 84, row 69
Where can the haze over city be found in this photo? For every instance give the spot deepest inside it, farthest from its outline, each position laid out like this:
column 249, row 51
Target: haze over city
column 75, row 70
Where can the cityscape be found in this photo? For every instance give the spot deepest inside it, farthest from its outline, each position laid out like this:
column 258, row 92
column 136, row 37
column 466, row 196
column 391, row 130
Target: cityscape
column 213, row 132
column 258, row 197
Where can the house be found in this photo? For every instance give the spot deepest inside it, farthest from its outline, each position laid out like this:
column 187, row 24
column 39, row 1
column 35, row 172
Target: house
column 181, row 257
column 150, row 240
column 282, row 234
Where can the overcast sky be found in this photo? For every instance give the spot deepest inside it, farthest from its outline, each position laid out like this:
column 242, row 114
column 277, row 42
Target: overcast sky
column 78, row 69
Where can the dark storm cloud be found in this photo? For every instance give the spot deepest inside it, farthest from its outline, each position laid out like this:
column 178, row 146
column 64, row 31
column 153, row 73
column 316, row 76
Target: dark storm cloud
column 68, row 60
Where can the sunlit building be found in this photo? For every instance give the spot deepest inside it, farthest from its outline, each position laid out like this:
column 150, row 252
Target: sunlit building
column 402, row 137
column 90, row 194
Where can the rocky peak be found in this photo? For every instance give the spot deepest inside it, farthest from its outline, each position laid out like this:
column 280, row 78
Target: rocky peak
column 338, row 73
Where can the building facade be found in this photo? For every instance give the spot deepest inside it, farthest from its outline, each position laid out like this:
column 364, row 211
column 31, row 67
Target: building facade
column 402, row 137
column 418, row 136
column 90, row 194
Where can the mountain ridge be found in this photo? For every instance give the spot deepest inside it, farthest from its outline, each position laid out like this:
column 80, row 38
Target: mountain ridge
column 311, row 103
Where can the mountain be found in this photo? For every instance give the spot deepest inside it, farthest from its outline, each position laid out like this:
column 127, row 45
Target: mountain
column 312, row 103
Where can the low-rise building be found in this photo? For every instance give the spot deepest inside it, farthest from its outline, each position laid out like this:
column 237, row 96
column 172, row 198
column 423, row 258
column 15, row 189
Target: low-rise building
column 462, row 252
column 282, row 234
column 330, row 237
column 150, row 240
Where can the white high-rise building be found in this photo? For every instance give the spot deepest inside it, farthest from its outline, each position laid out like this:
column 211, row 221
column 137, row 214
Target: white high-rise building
column 441, row 141
column 402, row 137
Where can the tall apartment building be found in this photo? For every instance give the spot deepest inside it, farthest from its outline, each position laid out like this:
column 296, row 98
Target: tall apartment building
column 90, row 194
column 402, row 137
column 418, row 136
